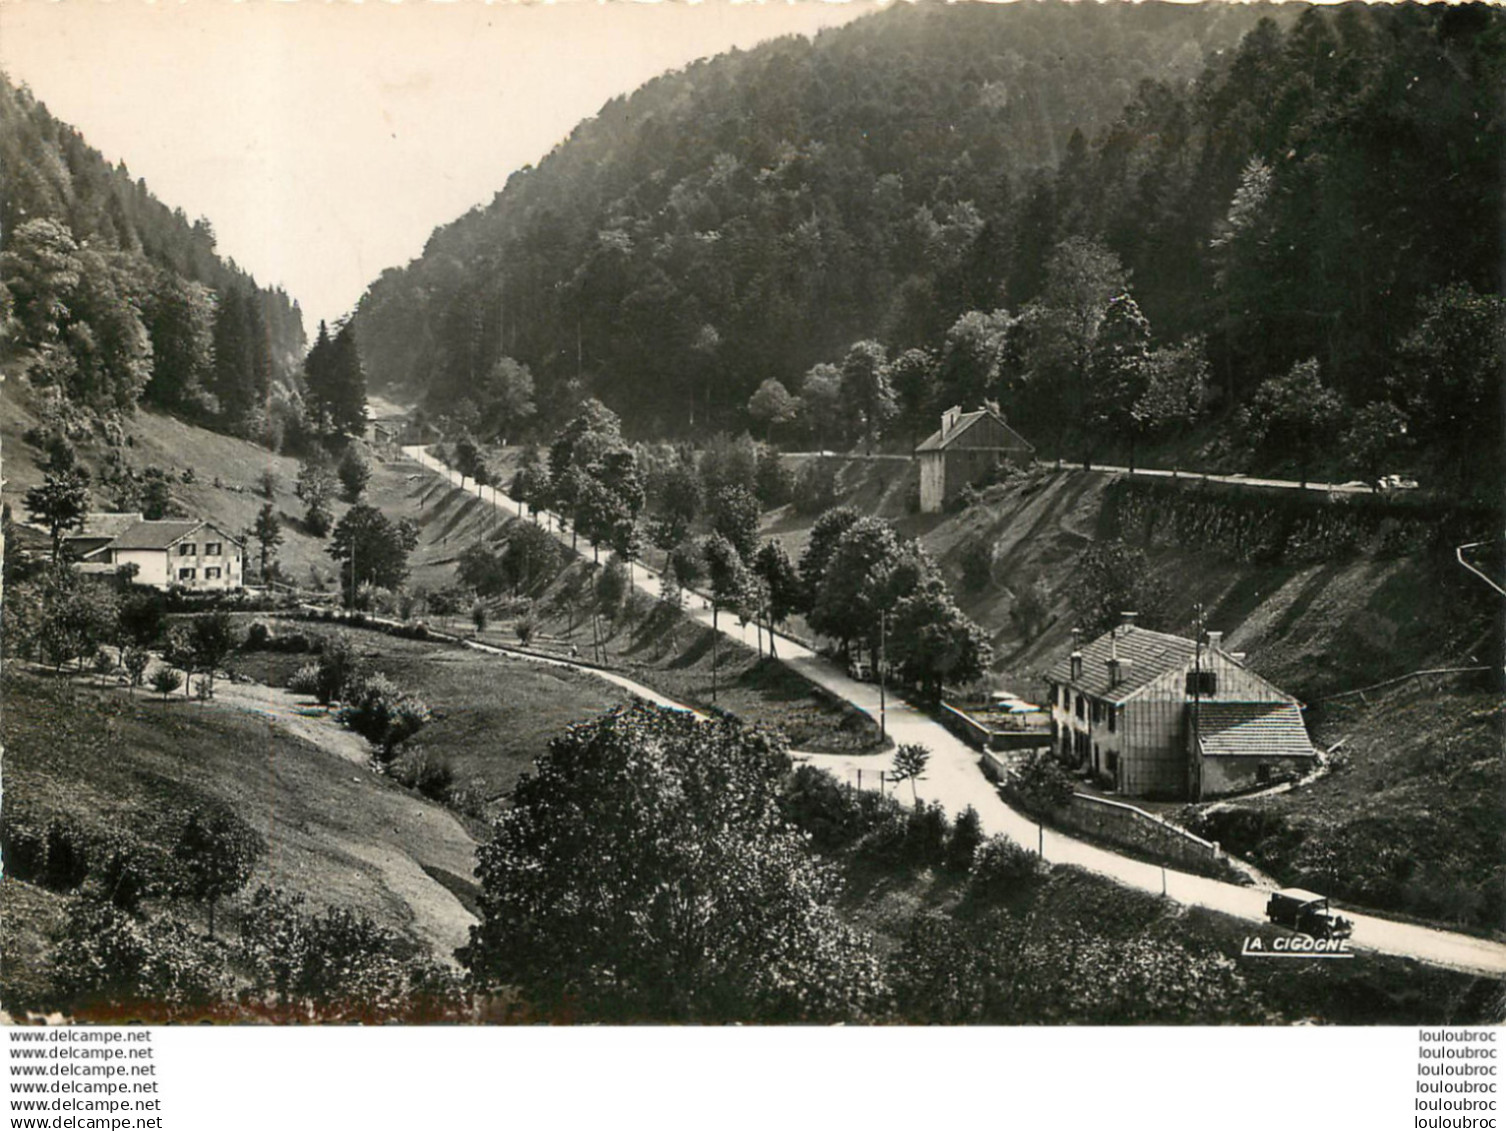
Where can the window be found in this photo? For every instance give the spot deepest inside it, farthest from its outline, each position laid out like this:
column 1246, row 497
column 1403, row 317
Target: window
column 1080, row 713
column 213, row 549
column 1097, row 710
column 188, row 550
column 212, row 573
column 1113, row 719
column 1202, row 683
column 1263, row 773
column 1113, row 763
column 187, row 574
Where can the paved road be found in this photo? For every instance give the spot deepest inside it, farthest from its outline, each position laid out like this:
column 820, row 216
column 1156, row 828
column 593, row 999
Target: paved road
column 954, row 779
column 1352, row 488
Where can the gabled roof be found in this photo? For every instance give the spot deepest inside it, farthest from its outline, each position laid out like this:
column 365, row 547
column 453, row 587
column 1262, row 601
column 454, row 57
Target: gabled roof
column 108, row 524
column 1150, row 655
column 936, row 441
column 157, row 535
column 1252, row 730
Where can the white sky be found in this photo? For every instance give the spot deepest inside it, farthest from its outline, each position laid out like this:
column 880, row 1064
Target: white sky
column 325, row 140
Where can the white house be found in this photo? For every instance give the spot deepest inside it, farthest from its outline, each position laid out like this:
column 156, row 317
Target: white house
column 1163, row 716
column 188, row 553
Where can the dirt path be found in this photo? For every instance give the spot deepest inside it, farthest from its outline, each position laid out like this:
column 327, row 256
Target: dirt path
column 381, row 844
column 296, row 714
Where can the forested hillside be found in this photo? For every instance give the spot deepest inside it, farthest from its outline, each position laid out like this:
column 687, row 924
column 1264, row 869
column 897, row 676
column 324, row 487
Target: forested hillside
column 751, row 215
column 1115, row 220
column 113, row 298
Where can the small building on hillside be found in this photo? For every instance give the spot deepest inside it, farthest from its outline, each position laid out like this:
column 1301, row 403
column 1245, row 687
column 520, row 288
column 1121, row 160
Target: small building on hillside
column 190, row 553
column 966, row 448
column 1161, row 716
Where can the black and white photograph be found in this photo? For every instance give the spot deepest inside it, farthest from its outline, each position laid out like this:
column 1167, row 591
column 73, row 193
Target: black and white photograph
column 753, row 514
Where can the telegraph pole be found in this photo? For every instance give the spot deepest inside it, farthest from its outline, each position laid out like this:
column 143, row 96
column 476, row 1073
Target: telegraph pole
column 883, row 695
column 1197, row 694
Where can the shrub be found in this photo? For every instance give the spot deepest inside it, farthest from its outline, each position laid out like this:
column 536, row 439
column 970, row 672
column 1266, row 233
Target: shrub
column 431, row 774
column 1041, row 783
column 815, row 487
column 258, row 637
column 305, row 681
column 166, row 680
column 337, row 670
column 1000, row 867
column 832, row 814
column 966, row 838
column 978, row 565
column 66, row 858
column 107, row 961
column 383, row 714
column 926, row 830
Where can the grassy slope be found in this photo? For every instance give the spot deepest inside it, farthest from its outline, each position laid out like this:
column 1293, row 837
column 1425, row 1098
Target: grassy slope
column 163, row 441
column 492, row 716
column 336, row 833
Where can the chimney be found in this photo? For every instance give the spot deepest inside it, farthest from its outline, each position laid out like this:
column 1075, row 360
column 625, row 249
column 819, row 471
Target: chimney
column 949, row 420
column 1215, row 639
column 1076, row 665
column 1127, row 620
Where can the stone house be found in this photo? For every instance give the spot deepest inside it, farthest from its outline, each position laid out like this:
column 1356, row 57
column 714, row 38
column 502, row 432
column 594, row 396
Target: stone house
column 966, row 447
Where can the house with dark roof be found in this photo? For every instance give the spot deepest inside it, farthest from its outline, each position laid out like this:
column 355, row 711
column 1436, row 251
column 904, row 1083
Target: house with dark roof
column 190, row 553
column 966, row 447
column 1161, row 716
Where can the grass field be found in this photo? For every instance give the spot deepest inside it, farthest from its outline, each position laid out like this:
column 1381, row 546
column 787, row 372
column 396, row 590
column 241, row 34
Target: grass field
column 492, row 716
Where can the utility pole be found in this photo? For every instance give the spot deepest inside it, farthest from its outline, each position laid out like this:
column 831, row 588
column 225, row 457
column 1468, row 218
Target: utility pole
column 1197, row 696
column 883, row 695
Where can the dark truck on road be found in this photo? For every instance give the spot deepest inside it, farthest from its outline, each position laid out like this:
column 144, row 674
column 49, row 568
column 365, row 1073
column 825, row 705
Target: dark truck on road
column 1307, row 912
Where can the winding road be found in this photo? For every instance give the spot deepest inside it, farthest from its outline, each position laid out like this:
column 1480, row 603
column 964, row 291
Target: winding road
column 953, row 778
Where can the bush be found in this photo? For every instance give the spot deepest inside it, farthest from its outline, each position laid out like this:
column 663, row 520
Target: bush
column 926, row 830
column 1001, row 867
column 966, row 838
column 166, row 680
column 258, row 637
column 978, row 565
column 832, row 814
column 382, row 713
column 305, row 681
column 337, row 670
column 1042, row 784
column 107, row 961
column 431, row 774
column 815, row 487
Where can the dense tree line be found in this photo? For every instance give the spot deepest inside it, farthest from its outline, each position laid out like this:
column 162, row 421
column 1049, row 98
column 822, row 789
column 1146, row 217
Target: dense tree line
column 1111, row 221
column 752, row 215
column 114, row 298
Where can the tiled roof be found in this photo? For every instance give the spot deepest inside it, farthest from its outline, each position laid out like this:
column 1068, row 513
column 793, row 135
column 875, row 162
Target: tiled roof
column 1252, row 730
column 108, row 524
column 1149, row 655
column 158, row 535
column 935, row 442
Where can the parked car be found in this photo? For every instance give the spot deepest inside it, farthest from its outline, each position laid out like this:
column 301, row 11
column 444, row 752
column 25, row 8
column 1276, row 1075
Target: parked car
column 860, row 671
column 1395, row 483
column 1308, row 913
